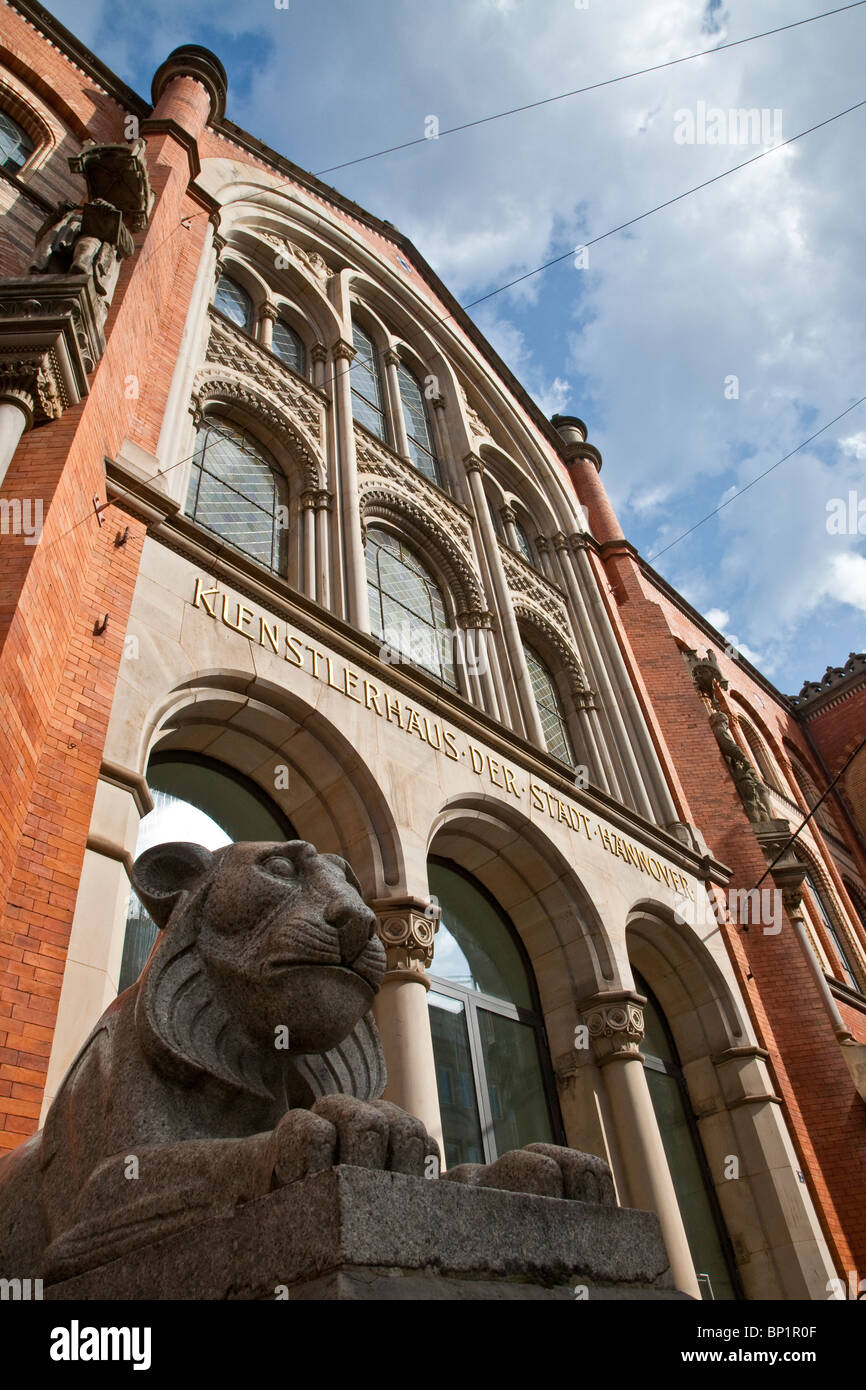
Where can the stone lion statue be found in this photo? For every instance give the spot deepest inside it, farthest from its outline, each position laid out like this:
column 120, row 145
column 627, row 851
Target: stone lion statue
column 245, row 1057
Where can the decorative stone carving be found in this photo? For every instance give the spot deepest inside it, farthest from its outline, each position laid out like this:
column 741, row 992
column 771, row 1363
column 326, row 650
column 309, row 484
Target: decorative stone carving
column 477, row 426
column 537, row 592
column 245, row 1059
column 836, row 681
column 50, row 340
column 753, row 793
column 229, row 347
column 406, row 930
column 706, row 674
column 93, row 237
column 616, row 1027
column 532, row 616
column 310, row 261
column 389, row 486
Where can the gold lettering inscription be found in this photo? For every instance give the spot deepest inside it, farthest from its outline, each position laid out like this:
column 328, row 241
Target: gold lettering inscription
column 266, row 632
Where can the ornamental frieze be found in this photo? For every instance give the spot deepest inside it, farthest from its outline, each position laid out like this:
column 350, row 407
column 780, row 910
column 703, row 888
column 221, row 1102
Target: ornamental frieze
column 228, row 347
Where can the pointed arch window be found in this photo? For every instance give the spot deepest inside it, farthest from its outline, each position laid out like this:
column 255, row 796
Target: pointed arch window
column 16, row 146
column 422, row 451
column 237, row 491
column 366, row 380
column 407, row 610
column 489, row 1043
column 289, row 348
column 232, row 300
column 550, row 709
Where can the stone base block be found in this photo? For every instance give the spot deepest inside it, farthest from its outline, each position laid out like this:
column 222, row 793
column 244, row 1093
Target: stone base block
column 358, row 1233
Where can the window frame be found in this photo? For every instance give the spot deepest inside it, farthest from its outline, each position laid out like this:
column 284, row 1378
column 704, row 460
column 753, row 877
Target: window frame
column 374, row 370
column 249, row 328
column 376, row 524
column 674, row 1069
column 282, row 321
column 529, row 648
column 473, row 999
column 404, row 369
column 35, row 141
column 282, row 492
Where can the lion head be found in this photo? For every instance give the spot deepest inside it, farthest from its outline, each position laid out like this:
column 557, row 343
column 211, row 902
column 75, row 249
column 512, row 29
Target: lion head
column 265, row 969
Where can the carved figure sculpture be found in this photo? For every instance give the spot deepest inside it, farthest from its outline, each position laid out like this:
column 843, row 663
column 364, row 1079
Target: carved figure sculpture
column 244, row 1057
column 91, row 238
column 753, row 793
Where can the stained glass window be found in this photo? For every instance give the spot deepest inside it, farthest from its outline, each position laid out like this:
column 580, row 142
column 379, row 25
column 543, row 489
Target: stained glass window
column 367, row 384
column 407, row 611
column 237, row 491
column 16, row 146
column 550, row 709
column 421, row 450
column 234, row 302
column 289, row 348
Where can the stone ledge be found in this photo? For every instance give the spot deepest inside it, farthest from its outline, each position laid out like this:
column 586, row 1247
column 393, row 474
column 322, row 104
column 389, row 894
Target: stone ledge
column 357, row 1233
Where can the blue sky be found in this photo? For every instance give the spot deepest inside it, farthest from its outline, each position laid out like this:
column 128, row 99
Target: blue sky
column 760, row 277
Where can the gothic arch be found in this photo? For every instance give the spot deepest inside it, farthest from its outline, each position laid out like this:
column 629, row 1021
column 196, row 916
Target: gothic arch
column 215, row 384
column 541, row 632
column 445, row 555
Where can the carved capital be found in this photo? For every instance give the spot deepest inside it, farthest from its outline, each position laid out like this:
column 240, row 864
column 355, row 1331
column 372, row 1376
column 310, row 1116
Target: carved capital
column 406, row 930
column 308, row 500
column 508, row 514
column 542, row 545
column 438, row 402
column 475, row 618
column 324, row 500
column 319, row 352
column 343, row 351
column 269, row 311
column 473, row 464
column 616, row 1026
column 392, row 358
column 560, row 542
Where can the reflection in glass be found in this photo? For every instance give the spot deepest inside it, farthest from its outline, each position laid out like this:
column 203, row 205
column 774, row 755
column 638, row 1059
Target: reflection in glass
column 460, row 1123
column 515, row 1085
column 473, row 947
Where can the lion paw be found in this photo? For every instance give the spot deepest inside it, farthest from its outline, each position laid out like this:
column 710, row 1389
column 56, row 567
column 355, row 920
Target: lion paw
column 341, row 1129
column 543, row 1170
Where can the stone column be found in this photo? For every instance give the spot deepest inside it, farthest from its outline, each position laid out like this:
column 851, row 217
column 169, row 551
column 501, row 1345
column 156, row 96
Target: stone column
column 323, row 548
column 319, row 355
column 542, row 545
column 267, row 319
column 398, row 424
column 16, row 416
column 524, row 709
column 441, row 443
column 615, row 1024
column 350, row 502
column 308, row 511
column 509, row 523
column 406, row 929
